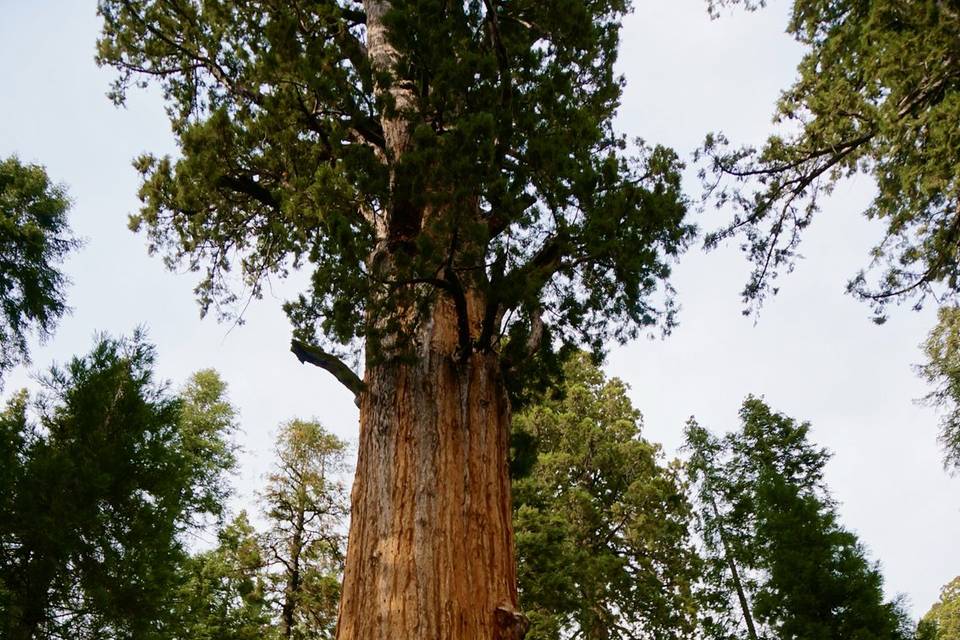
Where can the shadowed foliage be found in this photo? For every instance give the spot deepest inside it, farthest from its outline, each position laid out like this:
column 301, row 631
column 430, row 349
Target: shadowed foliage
column 34, row 241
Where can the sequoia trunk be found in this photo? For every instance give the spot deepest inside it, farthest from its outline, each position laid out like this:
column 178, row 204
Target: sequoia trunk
column 431, row 552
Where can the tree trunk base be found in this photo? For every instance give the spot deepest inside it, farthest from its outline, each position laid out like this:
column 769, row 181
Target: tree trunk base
column 431, row 550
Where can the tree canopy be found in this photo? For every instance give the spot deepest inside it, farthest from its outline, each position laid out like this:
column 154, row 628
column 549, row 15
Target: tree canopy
column 942, row 370
column 602, row 522
column 483, row 159
column 942, row 622
column 221, row 593
column 306, row 505
column 102, row 475
column 280, row 581
column 34, row 241
column 876, row 93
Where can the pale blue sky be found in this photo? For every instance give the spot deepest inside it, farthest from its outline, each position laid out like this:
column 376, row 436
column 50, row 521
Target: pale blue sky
column 813, row 353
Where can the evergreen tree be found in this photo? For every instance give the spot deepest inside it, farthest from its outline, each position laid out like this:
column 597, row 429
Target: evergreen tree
column 601, row 522
column 34, row 241
column 103, row 474
column 281, row 582
column 876, row 93
column 942, row 622
column 781, row 559
column 222, row 593
column 448, row 176
column 942, row 370
column 306, row 505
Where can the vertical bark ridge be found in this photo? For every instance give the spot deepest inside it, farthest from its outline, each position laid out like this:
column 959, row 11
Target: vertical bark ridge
column 431, row 551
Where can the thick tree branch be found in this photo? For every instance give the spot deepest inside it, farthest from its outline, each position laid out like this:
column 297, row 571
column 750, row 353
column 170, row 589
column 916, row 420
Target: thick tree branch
column 331, row 363
column 455, row 289
column 535, row 339
column 491, row 313
column 247, row 186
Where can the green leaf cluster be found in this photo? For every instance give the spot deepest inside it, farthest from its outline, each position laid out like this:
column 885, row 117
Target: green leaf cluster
column 222, row 594
column 942, row 371
column 942, row 622
column 103, row 473
column 34, row 241
column 279, row 580
column 500, row 182
column 306, row 504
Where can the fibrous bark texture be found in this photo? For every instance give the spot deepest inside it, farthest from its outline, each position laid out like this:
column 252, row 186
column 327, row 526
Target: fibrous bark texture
column 431, row 551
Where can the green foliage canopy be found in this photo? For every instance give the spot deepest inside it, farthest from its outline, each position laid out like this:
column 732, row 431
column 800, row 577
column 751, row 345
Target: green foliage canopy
column 222, row 592
column 942, row 622
column 34, row 241
column 511, row 181
column 281, row 582
column 306, row 505
column 942, row 370
column 876, row 93
column 601, row 523
column 102, row 475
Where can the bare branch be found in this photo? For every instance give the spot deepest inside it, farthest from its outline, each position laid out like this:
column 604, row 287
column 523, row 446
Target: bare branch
column 331, row 363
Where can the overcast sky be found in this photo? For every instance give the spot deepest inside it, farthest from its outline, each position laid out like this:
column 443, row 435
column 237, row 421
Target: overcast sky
column 812, row 353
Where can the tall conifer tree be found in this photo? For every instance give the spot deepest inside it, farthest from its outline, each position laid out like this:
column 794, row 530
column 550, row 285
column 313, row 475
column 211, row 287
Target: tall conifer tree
column 782, row 565
column 602, row 521
column 34, row 241
column 100, row 477
column 448, row 175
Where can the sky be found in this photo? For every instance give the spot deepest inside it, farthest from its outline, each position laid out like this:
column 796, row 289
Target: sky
column 812, row 352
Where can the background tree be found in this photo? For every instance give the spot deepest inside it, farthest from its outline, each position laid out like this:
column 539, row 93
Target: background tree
column 942, row 622
column 448, row 175
column 34, row 241
column 763, row 508
column 602, row 523
column 306, row 505
column 728, row 586
column 223, row 592
column 103, row 474
column 876, row 91
column 942, row 371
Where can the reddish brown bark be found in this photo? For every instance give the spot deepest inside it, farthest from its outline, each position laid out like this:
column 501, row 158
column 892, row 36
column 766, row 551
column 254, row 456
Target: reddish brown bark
column 431, row 551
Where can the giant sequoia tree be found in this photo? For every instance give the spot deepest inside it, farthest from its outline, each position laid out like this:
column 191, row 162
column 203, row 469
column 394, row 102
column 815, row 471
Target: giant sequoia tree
column 448, row 175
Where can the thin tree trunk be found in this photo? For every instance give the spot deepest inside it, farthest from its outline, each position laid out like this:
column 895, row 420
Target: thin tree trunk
column 292, row 588
column 732, row 565
column 431, row 551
